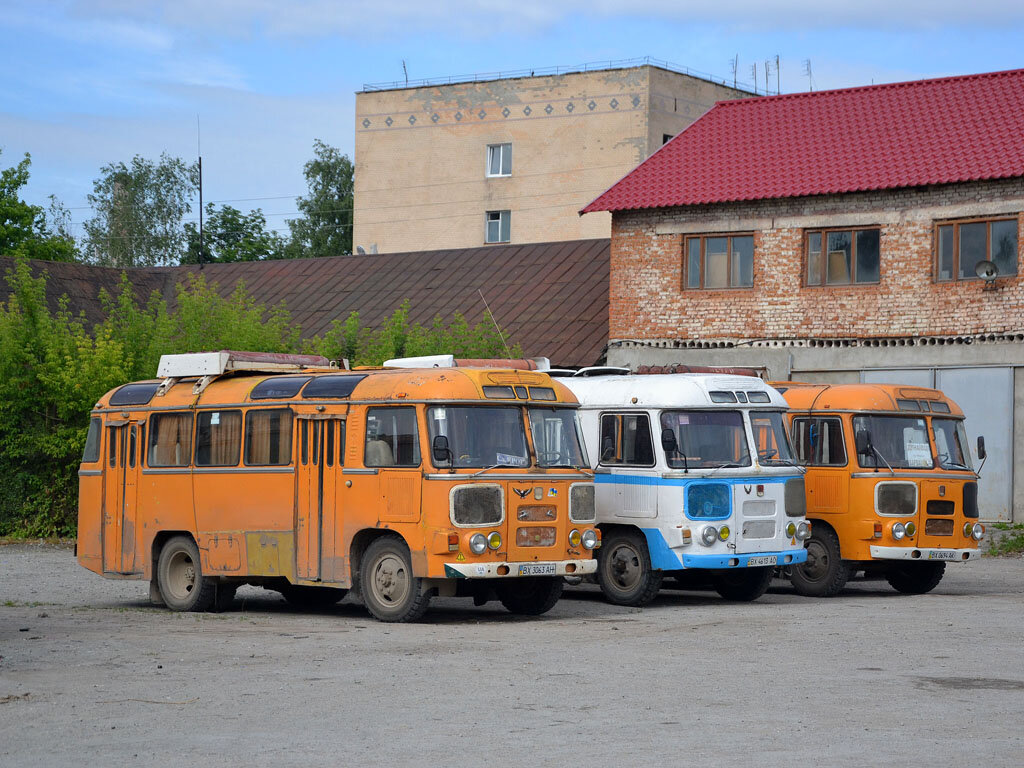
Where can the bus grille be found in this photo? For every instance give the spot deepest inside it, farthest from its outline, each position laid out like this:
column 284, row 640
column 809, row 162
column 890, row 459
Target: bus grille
column 938, row 526
column 759, row 529
column 536, row 536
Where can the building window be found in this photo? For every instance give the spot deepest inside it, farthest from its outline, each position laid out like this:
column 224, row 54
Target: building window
column 499, row 227
column 960, row 245
column 499, row 159
column 666, row 138
column 719, row 261
column 848, row 256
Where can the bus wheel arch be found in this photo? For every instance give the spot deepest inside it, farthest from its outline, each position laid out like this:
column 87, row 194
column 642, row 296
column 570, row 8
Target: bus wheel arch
column 624, row 569
column 389, row 588
column 915, row 578
column 825, row 573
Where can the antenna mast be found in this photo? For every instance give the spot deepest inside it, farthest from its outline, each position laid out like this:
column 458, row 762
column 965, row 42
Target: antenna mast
column 199, row 151
column 807, row 71
column 735, row 66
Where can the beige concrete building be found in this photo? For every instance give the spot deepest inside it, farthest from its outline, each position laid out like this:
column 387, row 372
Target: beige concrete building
column 463, row 164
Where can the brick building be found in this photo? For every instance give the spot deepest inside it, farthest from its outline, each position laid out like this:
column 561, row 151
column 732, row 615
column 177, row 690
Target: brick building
column 835, row 236
column 510, row 159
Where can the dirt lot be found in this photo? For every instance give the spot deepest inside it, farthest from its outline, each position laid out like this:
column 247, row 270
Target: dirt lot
column 91, row 674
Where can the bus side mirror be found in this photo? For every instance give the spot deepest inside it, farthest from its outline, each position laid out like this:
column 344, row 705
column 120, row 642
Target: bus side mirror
column 668, row 440
column 981, row 447
column 863, row 442
column 440, row 450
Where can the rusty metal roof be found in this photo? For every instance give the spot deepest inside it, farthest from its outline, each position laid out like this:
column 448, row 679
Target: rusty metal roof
column 552, row 298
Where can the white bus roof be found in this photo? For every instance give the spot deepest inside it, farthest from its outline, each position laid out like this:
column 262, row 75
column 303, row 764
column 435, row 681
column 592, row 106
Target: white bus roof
column 670, row 390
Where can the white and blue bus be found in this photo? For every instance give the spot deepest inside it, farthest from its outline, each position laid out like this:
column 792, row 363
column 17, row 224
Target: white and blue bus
column 693, row 471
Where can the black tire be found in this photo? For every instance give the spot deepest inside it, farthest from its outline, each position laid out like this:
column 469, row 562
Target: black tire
column 624, row 570
column 743, row 585
column 825, row 573
column 915, row 578
column 390, row 590
column 225, row 596
column 179, row 575
column 530, row 595
column 303, row 596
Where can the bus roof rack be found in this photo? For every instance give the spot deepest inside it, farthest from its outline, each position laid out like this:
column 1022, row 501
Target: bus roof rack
column 217, row 363
column 450, row 361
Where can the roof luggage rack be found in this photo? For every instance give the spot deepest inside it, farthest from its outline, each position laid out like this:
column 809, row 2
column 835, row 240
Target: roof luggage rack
column 209, row 365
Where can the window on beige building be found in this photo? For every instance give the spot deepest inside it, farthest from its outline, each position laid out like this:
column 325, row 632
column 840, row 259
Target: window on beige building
column 499, row 227
column 499, row 159
column 718, row 261
column 842, row 256
column 960, row 245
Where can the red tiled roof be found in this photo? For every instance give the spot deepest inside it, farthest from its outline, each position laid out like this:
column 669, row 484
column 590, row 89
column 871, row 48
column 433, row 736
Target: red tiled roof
column 551, row 298
column 910, row 134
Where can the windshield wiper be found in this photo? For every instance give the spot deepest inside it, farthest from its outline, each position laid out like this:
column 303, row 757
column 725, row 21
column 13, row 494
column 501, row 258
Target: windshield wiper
column 953, row 465
column 494, row 466
column 880, row 456
column 778, row 463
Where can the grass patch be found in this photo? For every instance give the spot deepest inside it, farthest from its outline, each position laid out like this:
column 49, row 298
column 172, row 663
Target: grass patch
column 1007, row 539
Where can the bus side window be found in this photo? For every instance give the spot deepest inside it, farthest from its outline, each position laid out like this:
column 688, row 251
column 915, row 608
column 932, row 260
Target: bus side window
column 329, row 444
column 218, row 438
column 112, row 445
column 341, row 443
column 132, row 438
column 170, row 440
column 819, row 441
column 268, row 437
column 91, row 454
column 626, row 439
column 392, row 439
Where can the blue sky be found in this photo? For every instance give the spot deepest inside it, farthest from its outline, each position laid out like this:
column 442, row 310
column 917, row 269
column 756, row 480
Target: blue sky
column 95, row 81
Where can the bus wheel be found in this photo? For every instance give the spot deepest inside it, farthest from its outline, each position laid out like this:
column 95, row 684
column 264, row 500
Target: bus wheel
column 743, row 585
column 530, row 595
column 825, row 573
column 225, row 596
column 312, row 597
column 915, row 578
column 624, row 570
column 180, row 576
column 390, row 591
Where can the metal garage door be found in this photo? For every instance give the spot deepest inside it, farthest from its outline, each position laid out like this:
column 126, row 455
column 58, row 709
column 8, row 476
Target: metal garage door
column 986, row 396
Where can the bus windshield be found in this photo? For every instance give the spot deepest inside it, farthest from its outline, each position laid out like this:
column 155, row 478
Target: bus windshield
column 557, row 438
column 771, row 439
column 707, row 439
column 481, row 436
column 951, row 443
column 898, row 442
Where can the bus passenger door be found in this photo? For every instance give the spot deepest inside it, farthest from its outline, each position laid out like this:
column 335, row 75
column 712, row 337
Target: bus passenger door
column 317, row 495
column 120, row 495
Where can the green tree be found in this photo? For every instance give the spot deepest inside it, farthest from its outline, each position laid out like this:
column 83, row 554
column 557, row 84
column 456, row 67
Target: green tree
column 139, row 211
column 230, row 235
column 24, row 229
column 325, row 228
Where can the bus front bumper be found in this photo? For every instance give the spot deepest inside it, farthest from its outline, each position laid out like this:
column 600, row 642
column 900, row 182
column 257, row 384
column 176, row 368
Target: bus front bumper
column 933, row 554
column 750, row 560
column 511, row 570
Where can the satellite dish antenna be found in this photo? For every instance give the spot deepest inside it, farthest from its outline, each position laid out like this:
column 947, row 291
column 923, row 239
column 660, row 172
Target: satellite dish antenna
column 987, row 271
column 360, row 250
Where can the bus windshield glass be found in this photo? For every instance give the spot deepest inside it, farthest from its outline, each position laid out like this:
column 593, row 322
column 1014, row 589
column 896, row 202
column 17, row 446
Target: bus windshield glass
column 706, row 439
column 771, row 439
column 481, row 436
column 896, row 441
column 557, row 438
column 951, row 443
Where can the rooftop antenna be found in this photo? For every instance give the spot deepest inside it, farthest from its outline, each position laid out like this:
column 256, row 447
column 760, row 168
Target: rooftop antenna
column 405, row 72
column 807, row 71
column 199, row 151
column 735, row 66
column 778, row 75
column 508, row 352
column 767, row 69
column 753, row 74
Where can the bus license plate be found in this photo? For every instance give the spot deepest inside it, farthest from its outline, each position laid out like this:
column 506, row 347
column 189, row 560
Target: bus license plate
column 537, row 569
column 763, row 560
column 938, row 554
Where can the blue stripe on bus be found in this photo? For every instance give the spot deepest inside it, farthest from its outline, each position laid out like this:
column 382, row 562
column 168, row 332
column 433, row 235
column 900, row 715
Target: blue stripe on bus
column 665, row 558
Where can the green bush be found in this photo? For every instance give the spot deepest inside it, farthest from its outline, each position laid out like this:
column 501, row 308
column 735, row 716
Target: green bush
column 53, row 369
column 1007, row 539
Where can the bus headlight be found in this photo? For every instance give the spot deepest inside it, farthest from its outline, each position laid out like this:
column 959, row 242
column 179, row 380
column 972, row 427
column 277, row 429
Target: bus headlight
column 708, row 535
column 910, row 528
column 723, row 532
column 590, row 539
column 574, row 538
column 803, row 531
column 791, row 530
column 494, row 540
column 898, row 531
column 977, row 531
column 477, row 543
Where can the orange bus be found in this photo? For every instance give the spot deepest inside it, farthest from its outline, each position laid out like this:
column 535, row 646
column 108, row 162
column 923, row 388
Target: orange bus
column 281, row 472
column 890, row 487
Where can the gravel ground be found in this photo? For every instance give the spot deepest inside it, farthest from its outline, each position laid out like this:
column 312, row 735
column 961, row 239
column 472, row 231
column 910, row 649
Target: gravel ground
column 90, row 673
